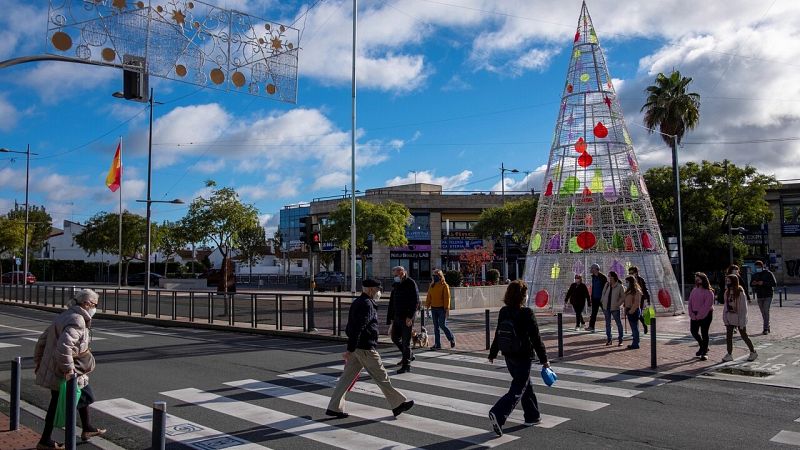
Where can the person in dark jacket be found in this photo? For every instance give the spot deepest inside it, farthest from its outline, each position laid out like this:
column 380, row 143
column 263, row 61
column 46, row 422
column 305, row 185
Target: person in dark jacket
column 733, row 269
column 362, row 340
column 577, row 296
column 598, row 283
column 634, row 272
column 518, row 364
column 403, row 306
column 763, row 284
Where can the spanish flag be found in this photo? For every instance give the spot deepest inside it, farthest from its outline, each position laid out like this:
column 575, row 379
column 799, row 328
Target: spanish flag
column 114, row 177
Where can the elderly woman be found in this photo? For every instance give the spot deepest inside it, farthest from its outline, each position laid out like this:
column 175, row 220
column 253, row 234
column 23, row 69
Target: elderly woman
column 62, row 352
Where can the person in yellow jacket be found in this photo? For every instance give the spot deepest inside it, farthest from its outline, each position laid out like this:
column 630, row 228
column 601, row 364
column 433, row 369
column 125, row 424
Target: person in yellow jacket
column 438, row 301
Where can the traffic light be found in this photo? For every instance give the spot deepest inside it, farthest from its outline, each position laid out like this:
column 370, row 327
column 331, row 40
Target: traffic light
column 135, row 79
column 316, row 242
column 305, row 229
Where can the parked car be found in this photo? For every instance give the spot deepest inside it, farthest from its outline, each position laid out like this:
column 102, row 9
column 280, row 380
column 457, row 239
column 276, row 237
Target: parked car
column 16, row 277
column 334, row 281
column 214, row 279
column 137, row 279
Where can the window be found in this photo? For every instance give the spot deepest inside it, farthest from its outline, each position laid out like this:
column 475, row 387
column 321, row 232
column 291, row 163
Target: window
column 790, row 216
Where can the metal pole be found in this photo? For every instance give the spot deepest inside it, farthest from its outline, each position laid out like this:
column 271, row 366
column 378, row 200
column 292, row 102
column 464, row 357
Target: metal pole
column 730, row 231
column 353, row 161
column 311, row 325
column 16, row 375
column 149, row 204
column 677, row 174
column 503, row 201
column 27, row 208
column 159, row 439
column 560, row 335
column 653, row 358
column 119, row 261
column 69, row 424
column 488, row 340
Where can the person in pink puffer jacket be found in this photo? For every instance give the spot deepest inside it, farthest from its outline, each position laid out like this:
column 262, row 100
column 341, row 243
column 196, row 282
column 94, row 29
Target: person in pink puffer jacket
column 701, row 312
column 57, row 350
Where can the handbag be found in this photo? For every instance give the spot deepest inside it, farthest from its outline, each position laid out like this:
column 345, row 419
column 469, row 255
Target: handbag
column 60, row 418
column 84, row 363
column 649, row 314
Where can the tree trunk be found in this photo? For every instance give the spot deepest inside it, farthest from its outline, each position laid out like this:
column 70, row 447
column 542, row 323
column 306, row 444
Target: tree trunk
column 125, row 276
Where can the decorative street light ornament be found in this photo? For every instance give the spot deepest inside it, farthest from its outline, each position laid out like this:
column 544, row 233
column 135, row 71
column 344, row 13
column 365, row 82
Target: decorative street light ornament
column 603, row 213
column 542, row 298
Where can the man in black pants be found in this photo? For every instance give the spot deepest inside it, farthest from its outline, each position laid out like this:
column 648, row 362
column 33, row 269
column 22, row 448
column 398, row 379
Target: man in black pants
column 598, row 282
column 634, row 272
column 403, row 306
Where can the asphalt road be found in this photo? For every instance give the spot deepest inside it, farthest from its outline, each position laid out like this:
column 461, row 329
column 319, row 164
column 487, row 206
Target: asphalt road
column 230, row 390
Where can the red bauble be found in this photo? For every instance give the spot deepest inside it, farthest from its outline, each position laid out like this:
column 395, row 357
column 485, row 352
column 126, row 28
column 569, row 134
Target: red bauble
column 586, row 240
column 542, row 298
column 664, row 298
column 585, row 160
column 647, row 243
column 600, row 130
column 577, row 36
column 549, row 190
column 569, row 88
column 580, row 146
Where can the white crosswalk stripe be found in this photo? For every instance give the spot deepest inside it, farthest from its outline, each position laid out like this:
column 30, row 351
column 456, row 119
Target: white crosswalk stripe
column 7, row 345
column 178, row 430
column 424, row 399
column 409, row 421
column 787, row 437
column 316, row 431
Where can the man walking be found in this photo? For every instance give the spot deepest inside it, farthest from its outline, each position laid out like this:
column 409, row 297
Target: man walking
column 403, row 306
column 763, row 283
column 598, row 283
column 634, row 272
column 362, row 340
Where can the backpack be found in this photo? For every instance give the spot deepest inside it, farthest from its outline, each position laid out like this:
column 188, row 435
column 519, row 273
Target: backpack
column 508, row 339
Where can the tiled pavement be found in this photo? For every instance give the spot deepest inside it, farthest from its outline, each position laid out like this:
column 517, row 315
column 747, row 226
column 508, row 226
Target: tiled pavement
column 23, row 438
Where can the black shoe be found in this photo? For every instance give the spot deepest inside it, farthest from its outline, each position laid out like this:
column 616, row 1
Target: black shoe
column 434, row 348
column 337, row 414
column 699, row 353
column 413, row 358
column 645, row 329
column 404, row 369
column 619, row 343
column 452, row 344
column 405, row 406
column 608, row 342
column 495, row 425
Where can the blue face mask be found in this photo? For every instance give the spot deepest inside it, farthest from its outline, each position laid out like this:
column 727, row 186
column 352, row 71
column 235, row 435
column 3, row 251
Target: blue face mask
column 759, row 269
column 436, row 278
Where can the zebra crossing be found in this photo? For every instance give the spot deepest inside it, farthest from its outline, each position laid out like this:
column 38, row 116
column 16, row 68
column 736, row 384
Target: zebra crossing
column 460, row 388
column 787, row 437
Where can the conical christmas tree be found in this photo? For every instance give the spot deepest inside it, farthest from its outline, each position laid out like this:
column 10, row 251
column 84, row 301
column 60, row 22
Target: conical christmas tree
column 594, row 207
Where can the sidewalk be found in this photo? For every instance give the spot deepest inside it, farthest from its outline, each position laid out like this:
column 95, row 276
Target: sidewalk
column 24, row 438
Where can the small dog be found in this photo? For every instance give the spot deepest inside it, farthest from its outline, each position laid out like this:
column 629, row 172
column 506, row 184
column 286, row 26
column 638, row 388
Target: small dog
column 419, row 339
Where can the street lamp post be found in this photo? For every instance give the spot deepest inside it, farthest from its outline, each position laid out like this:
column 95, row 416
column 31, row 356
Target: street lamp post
column 503, row 171
column 27, row 154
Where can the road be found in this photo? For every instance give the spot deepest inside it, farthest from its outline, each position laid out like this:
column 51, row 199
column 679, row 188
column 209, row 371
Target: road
column 230, row 390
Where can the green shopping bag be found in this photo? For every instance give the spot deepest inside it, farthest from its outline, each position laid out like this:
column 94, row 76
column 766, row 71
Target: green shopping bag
column 649, row 313
column 61, row 408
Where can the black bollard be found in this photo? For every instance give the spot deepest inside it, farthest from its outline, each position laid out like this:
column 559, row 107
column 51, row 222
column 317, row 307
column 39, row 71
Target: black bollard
column 560, row 335
column 421, row 316
column 488, row 340
column 69, row 424
column 16, row 372
column 653, row 357
column 159, row 439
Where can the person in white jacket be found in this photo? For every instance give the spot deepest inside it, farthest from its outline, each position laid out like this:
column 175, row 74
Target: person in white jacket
column 734, row 316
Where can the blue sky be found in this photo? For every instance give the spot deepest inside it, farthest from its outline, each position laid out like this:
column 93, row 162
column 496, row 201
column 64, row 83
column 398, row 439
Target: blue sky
column 449, row 89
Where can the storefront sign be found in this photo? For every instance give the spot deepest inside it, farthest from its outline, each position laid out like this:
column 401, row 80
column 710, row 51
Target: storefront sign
column 461, row 244
column 410, row 255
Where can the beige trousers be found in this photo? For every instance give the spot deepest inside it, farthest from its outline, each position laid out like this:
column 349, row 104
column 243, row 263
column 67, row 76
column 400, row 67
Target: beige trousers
column 370, row 360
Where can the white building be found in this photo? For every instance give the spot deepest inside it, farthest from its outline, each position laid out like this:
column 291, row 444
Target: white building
column 61, row 245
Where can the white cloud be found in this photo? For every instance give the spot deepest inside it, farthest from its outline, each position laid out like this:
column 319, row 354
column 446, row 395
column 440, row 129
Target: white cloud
column 55, row 81
column 427, row 176
column 331, row 179
column 253, row 193
column 9, row 115
column 209, row 166
column 456, row 83
column 288, row 187
column 186, row 124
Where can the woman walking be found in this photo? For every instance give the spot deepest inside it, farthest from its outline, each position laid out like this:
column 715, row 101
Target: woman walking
column 62, row 352
column 734, row 315
column 438, row 301
column 612, row 298
column 632, row 303
column 701, row 312
column 578, row 297
column 517, row 336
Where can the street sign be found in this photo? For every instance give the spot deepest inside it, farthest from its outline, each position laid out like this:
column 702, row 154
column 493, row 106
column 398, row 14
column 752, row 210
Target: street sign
column 18, row 261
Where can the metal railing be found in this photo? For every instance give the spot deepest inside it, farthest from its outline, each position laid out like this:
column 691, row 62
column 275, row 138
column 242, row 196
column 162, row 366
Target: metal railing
column 266, row 310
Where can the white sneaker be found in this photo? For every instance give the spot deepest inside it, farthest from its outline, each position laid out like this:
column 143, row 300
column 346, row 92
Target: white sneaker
column 753, row 356
column 727, row 358
column 495, row 425
column 535, row 422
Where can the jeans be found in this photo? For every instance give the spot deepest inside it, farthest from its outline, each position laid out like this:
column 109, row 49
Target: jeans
column 86, row 399
column 401, row 336
column 578, row 314
column 742, row 333
column 615, row 315
column 440, row 322
column 702, row 336
column 521, row 388
column 764, row 304
column 633, row 319
column 595, row 308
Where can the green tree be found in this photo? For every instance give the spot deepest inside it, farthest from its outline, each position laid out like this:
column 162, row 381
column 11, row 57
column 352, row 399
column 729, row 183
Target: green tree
column 516, row 217
column 671, row 108
column 384, row 223
column 253, row 245
column 219, row 219
column 12, row 238
column 172, row 237
column 714, row 196
column 101, row 235
column 39, row 225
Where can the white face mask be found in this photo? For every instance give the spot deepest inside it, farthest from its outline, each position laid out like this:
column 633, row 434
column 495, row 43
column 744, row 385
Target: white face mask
column 377, row 296
column 91, row 311
column 397, row 279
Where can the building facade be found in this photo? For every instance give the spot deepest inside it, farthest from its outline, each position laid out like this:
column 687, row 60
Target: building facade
column 782, row 233
column 438, row 232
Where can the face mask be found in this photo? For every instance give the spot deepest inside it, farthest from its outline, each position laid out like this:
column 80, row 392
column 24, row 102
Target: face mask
column 436, row 278
column 698, row 283
column 735, row 272
column 91, row 311
column 377, row 296
column 397, row 279
column 577, row 280
column 759, row 269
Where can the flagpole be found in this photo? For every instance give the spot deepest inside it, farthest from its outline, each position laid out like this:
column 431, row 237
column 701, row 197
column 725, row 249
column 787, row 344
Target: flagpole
column 119, row 262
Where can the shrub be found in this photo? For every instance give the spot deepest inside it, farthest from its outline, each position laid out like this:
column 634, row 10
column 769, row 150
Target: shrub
column 453, row 278
column 492, row 276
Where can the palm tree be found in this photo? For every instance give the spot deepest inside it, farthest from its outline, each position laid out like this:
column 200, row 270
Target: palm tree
column 673, row 110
